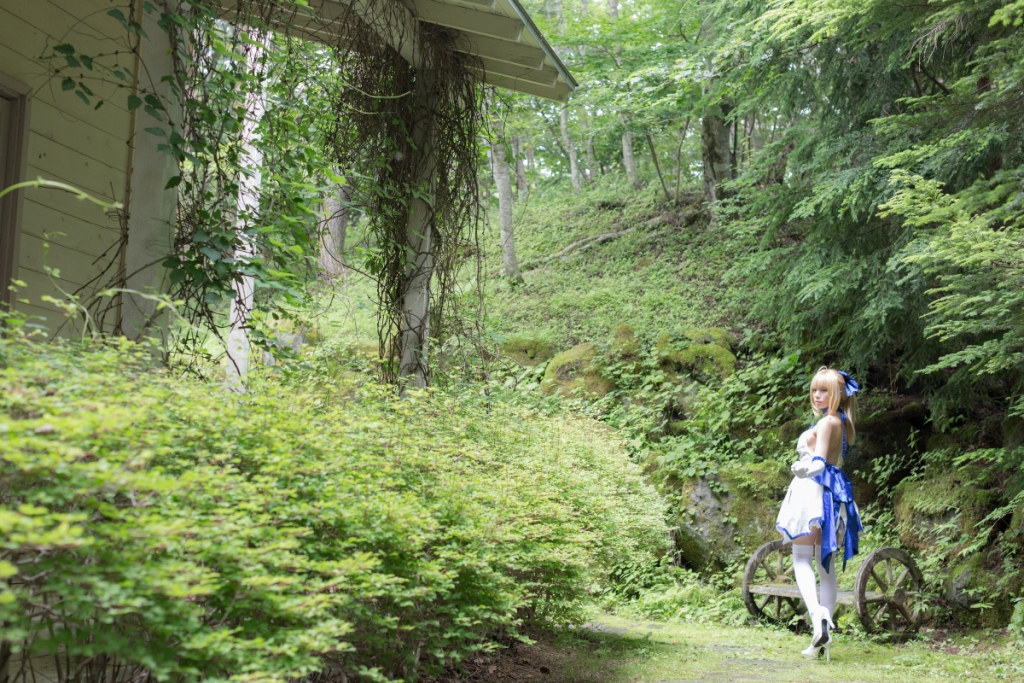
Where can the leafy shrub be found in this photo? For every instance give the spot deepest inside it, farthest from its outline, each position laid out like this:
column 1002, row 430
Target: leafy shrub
column 173, row 527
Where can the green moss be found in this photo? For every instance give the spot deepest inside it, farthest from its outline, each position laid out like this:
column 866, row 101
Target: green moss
column 755, row 493
column 710, row 359
column 625, row 342
column 574, row 371
column 974, row 582
column 923, row 504
column 940, row 442
column 692, row 548
column 528, row 351
column 709, row 335
column 790, row 431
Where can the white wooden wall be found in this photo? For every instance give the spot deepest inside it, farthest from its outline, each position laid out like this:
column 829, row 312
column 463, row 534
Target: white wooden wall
column 68, row 141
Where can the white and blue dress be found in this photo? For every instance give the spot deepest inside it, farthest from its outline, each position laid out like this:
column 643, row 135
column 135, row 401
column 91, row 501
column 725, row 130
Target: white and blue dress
column 825, row 501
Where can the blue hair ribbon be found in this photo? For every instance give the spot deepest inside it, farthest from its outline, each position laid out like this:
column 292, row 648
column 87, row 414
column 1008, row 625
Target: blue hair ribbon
column 851, row 384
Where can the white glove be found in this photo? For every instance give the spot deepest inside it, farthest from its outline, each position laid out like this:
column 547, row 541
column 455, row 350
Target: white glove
column 807, row 465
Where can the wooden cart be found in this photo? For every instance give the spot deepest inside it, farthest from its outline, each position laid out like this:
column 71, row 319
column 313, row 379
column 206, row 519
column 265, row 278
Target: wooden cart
column 888, row 592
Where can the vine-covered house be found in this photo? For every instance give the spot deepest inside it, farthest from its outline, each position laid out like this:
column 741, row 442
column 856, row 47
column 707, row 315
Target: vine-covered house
column 62, row 120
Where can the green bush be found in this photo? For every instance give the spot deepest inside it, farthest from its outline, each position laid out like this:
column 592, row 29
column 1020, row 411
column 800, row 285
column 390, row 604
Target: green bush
column 174, row 527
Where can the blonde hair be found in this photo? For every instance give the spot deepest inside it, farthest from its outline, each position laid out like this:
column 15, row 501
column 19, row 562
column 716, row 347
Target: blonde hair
column 832, row 382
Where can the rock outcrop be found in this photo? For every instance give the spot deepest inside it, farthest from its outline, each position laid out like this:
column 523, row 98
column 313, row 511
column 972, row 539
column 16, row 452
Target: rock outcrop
column 574, row 372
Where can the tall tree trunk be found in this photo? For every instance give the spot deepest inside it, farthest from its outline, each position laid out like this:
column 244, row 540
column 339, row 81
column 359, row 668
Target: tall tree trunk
column 679, row 156
column 559, row 14
column 591, row 158
column 530, row 162
column 332, row 240
column 414, row 363
column 574, row 167
column 503, row 179
column 628, row 160
column 657, row 166
column 716, row 152
column 522, row 187
column 248, row 205
column 613, row 9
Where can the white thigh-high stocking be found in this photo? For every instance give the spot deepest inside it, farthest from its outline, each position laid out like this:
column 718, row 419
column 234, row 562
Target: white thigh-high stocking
column 803, row 572
column 829, row 581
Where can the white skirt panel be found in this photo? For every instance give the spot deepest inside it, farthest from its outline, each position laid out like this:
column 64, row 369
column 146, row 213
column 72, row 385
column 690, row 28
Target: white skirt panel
column 801, row 510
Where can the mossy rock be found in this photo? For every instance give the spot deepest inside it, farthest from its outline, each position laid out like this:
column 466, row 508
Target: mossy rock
column 966, row 495
column 916, row 414
column 1013, row 433
column 528, row 351
column 574, row 371
column 940, row 442
column 790, row 431
column 1015, row 532
column 734, row 522
column 975, row 580
column 709, row 335
column 881, row 436
column 625, row 343
column 703, row 361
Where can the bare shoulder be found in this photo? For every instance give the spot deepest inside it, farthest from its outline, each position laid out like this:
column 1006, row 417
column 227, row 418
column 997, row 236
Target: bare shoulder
column 828, row 423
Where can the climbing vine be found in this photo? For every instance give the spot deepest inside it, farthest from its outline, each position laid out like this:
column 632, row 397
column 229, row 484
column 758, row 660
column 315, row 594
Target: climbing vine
column 344, row 102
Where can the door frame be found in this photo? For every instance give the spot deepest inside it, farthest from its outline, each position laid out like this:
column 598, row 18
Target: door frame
column 19, row 95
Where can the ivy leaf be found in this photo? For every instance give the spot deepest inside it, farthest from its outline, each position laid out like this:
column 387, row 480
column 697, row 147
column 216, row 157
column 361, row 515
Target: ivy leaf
column 65, row 49
column 87, row 61
column 134, row 102
column 211, row 253
column 67, row 84
column 72, row 62
column 82, row 96
column 173, row 182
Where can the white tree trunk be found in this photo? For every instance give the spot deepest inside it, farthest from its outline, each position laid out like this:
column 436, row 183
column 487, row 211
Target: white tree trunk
column 591, row 157
column 613, row 9
column 415, row 332
column 574, row 167
column 332, row 239
column 503, row 179
column 249, row 183
column 522, row 187
column 628, row 159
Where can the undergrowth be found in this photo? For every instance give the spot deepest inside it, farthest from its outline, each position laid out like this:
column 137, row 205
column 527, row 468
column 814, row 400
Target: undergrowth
column 314, row 525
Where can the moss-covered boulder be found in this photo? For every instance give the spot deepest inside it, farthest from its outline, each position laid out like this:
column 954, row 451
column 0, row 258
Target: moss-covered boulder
column 922, row 506
column 732, row 513
column 887, row 436
column 974, row 582
column 1013, row 433
column 573, row 372
column 709, row 335
column 528, row 351
column 625, row 343
column 705, row 355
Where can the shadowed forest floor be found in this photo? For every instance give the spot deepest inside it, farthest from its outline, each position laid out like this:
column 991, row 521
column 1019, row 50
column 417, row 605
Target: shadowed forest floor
column 616, row 650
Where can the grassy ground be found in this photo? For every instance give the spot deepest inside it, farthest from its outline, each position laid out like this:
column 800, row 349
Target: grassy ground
column 617, row 650
column 663, row 275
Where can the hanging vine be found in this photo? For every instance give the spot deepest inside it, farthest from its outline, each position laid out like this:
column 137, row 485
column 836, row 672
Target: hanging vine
column 337, row 95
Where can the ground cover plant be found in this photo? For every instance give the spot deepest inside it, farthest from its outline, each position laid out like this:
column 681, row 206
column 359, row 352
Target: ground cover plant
column 170, row 527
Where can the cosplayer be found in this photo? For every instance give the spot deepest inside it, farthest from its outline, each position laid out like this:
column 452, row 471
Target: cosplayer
column 818, row 515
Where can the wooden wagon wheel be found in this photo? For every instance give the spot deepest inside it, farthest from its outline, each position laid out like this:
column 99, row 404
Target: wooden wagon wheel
column 769, row 589
column 889, row 594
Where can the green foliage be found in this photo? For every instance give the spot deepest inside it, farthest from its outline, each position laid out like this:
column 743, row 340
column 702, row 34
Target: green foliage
column 195, row 533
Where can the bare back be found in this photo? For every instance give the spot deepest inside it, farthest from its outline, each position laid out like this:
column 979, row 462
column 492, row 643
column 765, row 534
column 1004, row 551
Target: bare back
column 830, row 427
